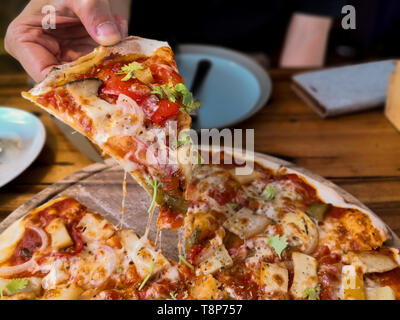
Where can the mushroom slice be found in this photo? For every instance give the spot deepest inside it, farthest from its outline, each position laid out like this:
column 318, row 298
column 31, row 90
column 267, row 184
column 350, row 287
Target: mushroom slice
column 371, row 261
column 300, row 231
column 246, row 224
column 84, row 88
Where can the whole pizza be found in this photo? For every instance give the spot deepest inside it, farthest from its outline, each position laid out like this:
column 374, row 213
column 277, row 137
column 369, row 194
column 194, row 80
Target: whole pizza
column 273, row 233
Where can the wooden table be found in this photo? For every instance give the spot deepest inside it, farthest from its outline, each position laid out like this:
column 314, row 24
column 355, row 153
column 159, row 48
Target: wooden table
column 359, row 152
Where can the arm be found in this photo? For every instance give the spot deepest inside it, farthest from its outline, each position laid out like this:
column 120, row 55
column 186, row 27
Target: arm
column 122, row 7
column 306, row 41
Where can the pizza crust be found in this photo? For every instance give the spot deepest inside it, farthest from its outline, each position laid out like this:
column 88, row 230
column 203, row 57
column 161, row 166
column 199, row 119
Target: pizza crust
column 131, row 45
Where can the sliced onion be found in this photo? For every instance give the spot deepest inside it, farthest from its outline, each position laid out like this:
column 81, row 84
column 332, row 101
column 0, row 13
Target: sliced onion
column 43, row 237
column 30, row 265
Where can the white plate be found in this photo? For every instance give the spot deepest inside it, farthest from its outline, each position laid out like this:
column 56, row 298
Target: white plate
column 235, row 88
column 22, row 136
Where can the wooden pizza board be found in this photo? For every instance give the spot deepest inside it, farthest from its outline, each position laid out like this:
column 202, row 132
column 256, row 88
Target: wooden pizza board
column 99, row 187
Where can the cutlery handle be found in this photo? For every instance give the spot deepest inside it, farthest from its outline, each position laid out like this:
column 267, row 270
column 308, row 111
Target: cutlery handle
column 203, row 67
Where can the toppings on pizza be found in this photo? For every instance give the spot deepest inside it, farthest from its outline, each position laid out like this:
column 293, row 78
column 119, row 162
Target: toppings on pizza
column 265, row 235
column 130, row 100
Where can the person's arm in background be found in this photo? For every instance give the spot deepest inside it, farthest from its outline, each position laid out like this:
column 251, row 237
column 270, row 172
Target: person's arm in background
column 122, row 8
column 81, row 25
column 306, row 41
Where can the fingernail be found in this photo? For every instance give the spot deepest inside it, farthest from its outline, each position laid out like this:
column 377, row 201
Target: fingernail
column 108, row 33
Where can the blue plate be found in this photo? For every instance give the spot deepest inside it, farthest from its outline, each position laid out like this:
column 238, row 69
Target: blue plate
column 235, row 88
column 22, row 136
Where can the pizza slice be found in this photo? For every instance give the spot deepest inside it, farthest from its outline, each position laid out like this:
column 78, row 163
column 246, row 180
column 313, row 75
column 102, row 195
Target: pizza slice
column 130, row 100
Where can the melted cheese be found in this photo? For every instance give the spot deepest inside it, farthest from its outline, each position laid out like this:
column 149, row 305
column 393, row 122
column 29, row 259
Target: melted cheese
column 93, row 266
column 143, row 254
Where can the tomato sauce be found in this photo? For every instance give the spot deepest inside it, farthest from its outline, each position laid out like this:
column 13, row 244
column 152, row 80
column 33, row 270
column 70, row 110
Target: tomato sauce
column 224, row 195
column 329, row 272
column 27, row 246
column 68, row 209
column 390, row 278
column 308, row 192
column 169, row 219
column 62, row 101
column 243, row 286
column 336, row 212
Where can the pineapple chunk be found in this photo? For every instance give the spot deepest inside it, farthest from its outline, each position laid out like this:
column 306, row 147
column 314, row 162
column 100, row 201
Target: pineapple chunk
column 10, row 238
column 218, row 259
column 95, row 228
column 59, row 234
column 372, row 261
column 143, row 253
column 381, row 293
column 64, row 292
column 352, row 283
column 205, row 288
column 274, row 277
column 245, row 223
column 305, row 274
column 245, row 178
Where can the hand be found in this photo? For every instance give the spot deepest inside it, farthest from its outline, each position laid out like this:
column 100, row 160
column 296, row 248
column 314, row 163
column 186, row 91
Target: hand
column 80, row 26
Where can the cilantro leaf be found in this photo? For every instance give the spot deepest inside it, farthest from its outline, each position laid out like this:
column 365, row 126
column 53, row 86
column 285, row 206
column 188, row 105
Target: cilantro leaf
column 234, row 206
column 129, row 70
column 269, row 193
column 173, row 295
column 278, row 243
column 179, row 91
column 155, row 184
column 148, row 275
column 14, row 286
column 157, row 91
column 182, row 258
column 312, row 293
column 183, row 141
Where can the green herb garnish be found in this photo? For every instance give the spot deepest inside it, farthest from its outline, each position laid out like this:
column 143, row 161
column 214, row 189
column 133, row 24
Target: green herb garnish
column 187, row 97
column 173, row 295
column 119, row 270
column 179, row 91
column 148, row 275
column 278, row 243
column 234, row 206
column 166, row 90
column 14, row 286
column 155, row 184
column 182, row 258
column 312, row 293
column 269, row 193
column 181, row 142
column 129, row 70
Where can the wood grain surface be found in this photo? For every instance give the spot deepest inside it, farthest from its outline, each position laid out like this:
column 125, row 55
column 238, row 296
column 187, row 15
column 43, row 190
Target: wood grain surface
column 359, row 152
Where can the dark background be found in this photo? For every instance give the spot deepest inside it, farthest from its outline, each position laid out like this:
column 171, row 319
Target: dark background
column 377, row 35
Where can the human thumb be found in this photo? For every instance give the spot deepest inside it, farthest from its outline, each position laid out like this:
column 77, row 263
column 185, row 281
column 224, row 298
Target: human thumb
column 98, row 20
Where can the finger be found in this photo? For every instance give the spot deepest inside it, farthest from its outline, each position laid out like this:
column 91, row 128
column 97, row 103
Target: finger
column 98, row 20
column 35, row 59
column 122, row 25
column 35, row 51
